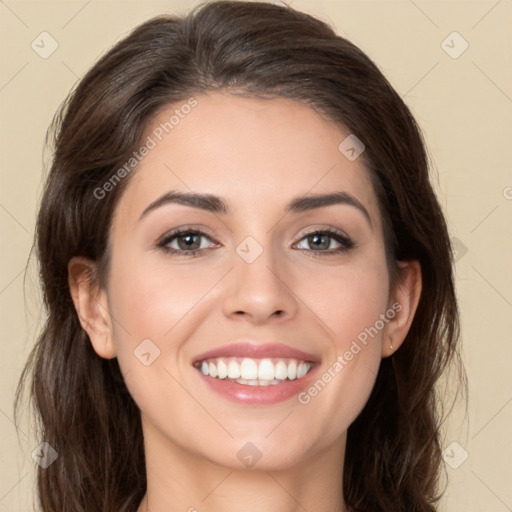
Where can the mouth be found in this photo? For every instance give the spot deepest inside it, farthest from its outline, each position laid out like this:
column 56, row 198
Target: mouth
column 256, row 374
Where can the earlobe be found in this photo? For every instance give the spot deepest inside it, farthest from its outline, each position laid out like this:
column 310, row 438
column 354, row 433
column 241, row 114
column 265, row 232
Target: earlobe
column 91, row 305
column 406, row 298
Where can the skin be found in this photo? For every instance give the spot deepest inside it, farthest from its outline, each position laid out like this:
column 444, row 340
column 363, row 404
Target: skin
column 257, row 155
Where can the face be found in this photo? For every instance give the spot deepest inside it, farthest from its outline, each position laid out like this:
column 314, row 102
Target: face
column 258, row 284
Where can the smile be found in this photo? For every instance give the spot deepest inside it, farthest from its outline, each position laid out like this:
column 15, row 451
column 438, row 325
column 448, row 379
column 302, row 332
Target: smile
column 249, row 372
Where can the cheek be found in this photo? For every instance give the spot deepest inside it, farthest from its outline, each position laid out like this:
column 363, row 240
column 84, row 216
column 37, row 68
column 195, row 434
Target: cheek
column 351, row 300
column 150, row 298
column 353, row 309
column 155, row 309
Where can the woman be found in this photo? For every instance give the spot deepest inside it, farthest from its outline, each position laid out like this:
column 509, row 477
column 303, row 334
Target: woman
column 247, row 275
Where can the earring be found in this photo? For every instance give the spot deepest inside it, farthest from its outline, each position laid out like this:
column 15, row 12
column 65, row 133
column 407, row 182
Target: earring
column 391, row 345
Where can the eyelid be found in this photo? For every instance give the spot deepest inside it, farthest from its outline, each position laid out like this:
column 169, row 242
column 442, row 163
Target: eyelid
column 346, row 242
column 326, row 228
column 199, row 230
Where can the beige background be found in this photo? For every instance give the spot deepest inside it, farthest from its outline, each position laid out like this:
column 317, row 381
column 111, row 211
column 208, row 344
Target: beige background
column 464, row 106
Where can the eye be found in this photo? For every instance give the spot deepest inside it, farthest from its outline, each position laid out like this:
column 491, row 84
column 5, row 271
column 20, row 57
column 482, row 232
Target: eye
column 185, row 242
column 326, row 241
column 190, row 242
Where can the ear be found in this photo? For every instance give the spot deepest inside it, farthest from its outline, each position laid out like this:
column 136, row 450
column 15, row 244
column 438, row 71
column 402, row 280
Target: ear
column 91, row 305
column 405, row 299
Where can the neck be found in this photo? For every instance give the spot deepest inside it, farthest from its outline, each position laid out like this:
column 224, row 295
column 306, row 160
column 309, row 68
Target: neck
column 178, row 480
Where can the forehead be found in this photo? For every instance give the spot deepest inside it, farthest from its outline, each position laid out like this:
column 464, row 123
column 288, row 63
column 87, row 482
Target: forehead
column 257, row 153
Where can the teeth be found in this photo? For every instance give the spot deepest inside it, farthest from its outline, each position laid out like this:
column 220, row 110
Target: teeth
column 292, row 369
column 233, row 370
column 222, row 369
column 302, row 369
column 248, row 369
column 257, row 382
column 255, row 372
column 266, row 370
column 281, row 370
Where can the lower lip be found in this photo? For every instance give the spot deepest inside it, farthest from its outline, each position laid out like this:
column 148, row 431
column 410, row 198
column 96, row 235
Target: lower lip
column 262, row 395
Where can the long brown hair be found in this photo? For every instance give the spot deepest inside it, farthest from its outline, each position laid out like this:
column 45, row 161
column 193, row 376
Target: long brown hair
column 85, row 412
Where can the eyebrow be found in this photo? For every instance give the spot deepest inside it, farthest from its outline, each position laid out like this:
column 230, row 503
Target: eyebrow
column 218, row 205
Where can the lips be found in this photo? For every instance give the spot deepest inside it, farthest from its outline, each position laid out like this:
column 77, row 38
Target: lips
column 257, row 351
column 246, row 372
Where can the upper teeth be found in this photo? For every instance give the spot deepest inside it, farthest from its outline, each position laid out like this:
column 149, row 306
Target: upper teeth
column 251, row 369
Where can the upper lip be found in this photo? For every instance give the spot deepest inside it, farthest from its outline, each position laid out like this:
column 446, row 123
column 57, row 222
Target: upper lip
column 257, row 350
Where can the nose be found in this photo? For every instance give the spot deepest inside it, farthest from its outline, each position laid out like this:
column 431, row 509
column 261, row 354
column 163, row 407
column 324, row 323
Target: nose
column 258, row 291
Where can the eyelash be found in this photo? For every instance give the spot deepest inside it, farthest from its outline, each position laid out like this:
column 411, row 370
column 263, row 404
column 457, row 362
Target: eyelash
column 346, row 242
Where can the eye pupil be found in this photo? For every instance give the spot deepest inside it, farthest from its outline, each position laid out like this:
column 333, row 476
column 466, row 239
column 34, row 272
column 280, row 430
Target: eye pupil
column 189, row 241
column 319, row 241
